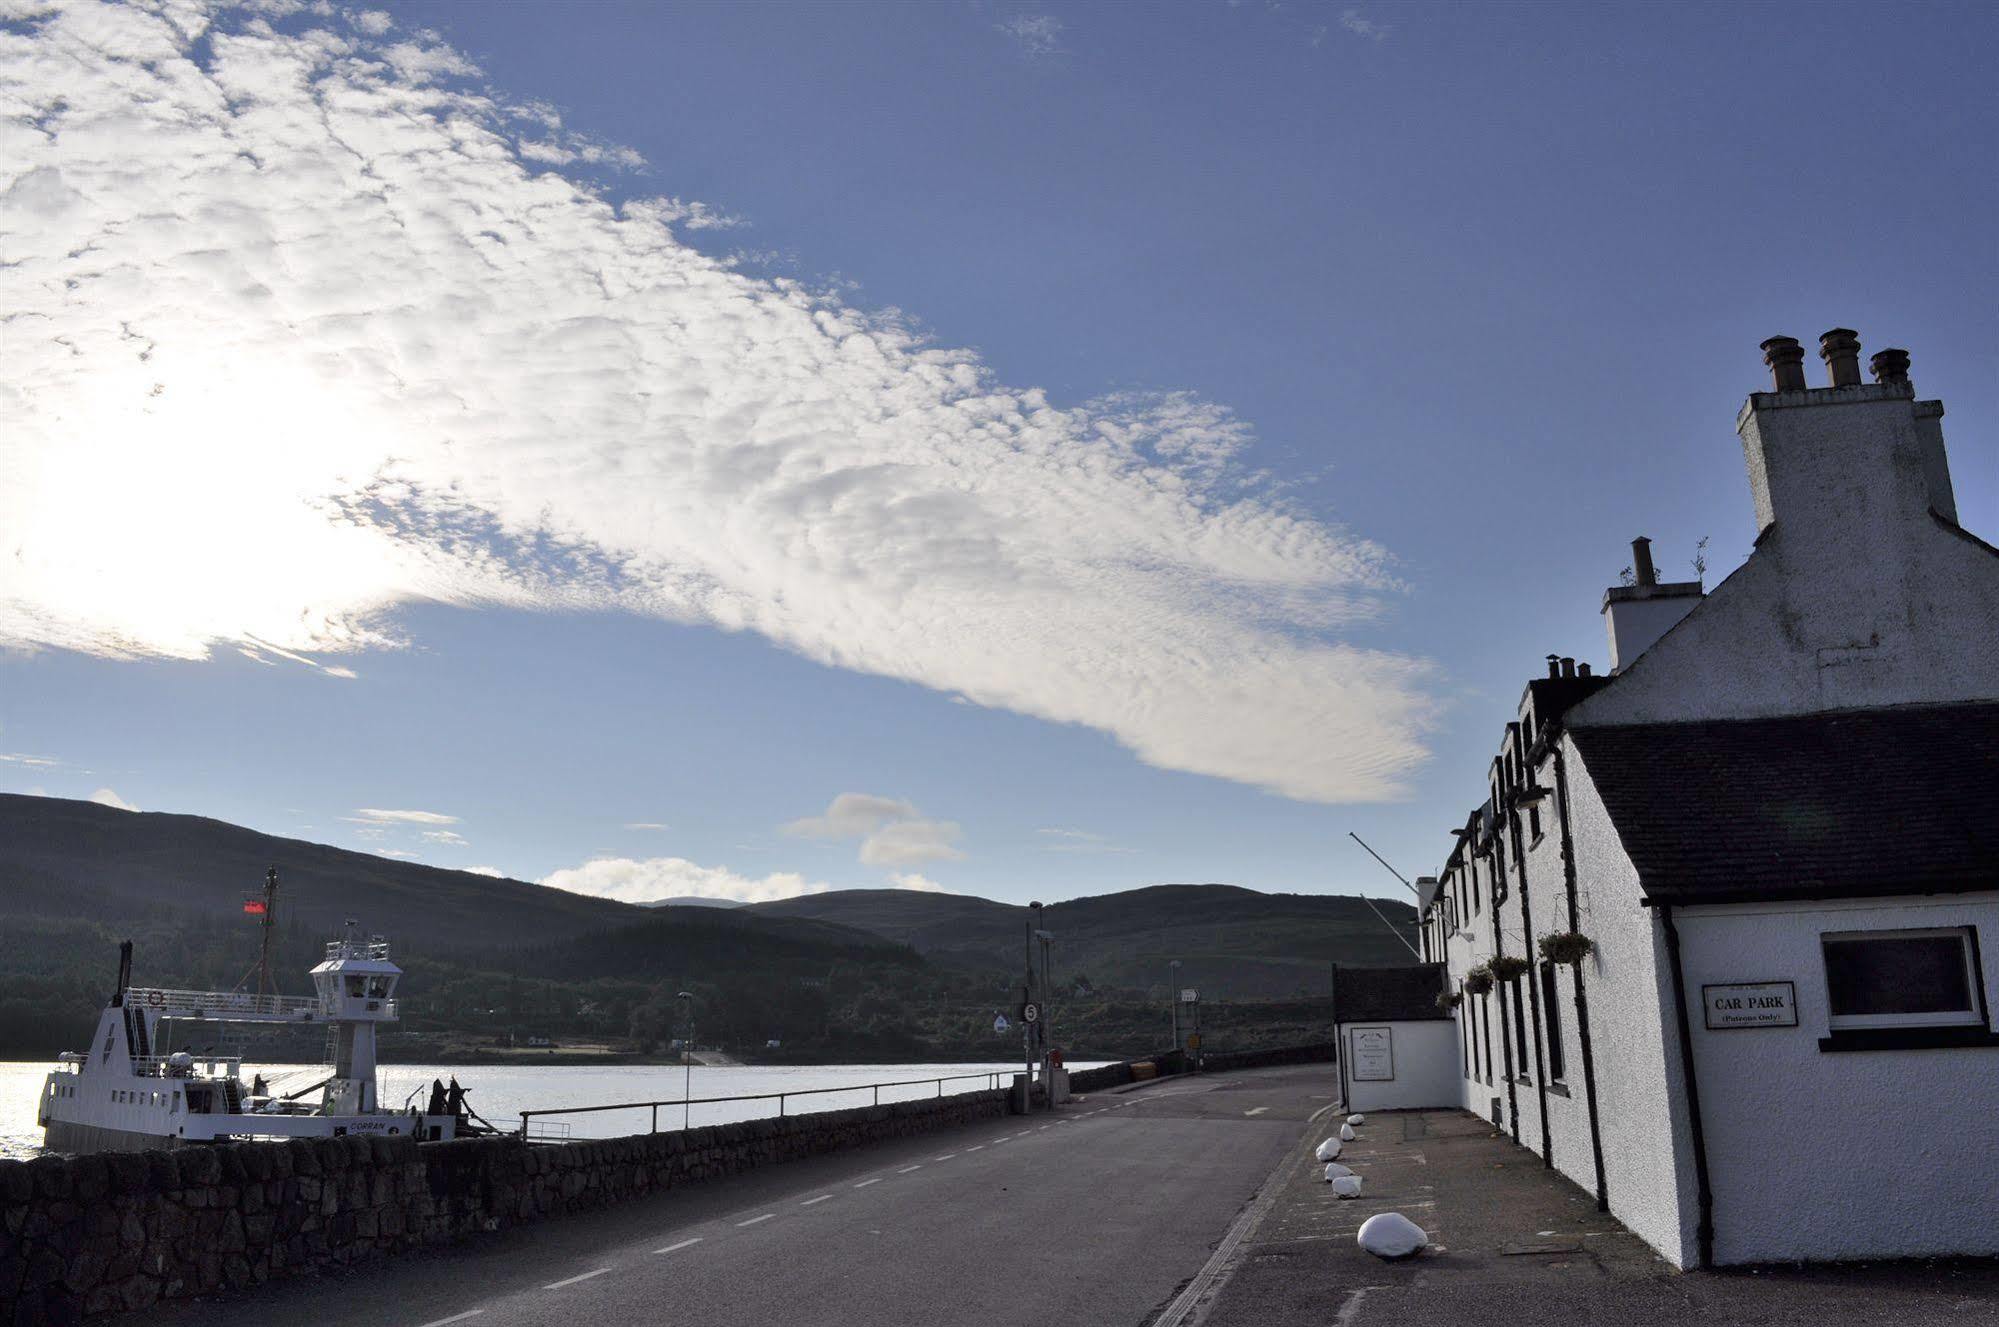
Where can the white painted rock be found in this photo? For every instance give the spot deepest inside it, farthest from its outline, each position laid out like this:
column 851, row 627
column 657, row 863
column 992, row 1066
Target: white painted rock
column 1356, row 1119
column 1392, row 1235
column 1346, row 1133
column 1347, row 1186
column 1328, row 1150
column 1334, row 1170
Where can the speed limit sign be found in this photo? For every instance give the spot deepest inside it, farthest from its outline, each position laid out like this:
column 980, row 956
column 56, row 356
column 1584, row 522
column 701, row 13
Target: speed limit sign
column 1030, row 1013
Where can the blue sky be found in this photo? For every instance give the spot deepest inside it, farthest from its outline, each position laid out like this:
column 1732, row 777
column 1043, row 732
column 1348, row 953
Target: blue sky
column 1310, row 368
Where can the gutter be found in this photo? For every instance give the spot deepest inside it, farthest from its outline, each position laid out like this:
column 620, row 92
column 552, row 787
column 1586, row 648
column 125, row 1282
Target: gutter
column 1704, row 1232
column 1582, row 997
column 1532, row 978
column 1499, row 948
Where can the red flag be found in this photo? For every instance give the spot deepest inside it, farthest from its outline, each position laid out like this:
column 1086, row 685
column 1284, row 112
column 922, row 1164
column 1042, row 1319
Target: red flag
column 254, row 906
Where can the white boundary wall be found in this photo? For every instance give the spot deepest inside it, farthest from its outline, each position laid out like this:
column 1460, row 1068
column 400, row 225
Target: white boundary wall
column 1426, row 1067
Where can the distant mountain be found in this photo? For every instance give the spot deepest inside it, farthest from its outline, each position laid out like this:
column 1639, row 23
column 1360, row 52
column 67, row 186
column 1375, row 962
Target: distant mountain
column 1231, row 942
column 78, row 859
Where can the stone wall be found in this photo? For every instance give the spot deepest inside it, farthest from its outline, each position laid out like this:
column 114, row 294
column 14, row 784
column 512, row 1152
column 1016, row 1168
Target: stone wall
column 99, row 1234
column 1108, row 1076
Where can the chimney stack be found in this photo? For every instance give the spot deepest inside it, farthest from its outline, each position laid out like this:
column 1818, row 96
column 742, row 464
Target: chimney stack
column 1641, row 561
column 1568, row 667
column 1840, row 349
column 1554, row 666
column 1890, row 365
column 1786, row 359
column 1582, row 670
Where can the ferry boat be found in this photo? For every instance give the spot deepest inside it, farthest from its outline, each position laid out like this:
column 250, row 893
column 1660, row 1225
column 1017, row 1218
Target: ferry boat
column 128, row 1093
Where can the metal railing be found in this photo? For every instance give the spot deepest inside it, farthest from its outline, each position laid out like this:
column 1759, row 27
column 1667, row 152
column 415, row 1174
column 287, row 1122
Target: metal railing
column 235, row 1005
column 993, row 1081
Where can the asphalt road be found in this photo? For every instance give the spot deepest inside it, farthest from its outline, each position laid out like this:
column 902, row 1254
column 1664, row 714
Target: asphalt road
column 1098, row 1214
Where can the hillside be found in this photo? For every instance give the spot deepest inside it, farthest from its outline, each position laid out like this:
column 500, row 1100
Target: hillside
column 78, row 859
column 1232, row 943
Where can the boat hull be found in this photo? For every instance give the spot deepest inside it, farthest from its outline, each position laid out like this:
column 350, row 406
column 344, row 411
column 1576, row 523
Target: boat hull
column 68, row 1136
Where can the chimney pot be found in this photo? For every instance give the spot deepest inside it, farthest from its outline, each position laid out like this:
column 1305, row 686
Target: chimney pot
column 1641, row 561
column 1568, row 667
column 1890, row 365
column 1786, row 359
column 1582, row 670
column 1840, row 349
column 1554, row 666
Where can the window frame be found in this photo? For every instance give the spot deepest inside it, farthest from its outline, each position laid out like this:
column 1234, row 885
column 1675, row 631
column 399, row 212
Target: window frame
column 1551, row 1014
column 1967, row 937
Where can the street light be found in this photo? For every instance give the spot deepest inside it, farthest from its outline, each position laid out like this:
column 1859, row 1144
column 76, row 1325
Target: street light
column 686, row 999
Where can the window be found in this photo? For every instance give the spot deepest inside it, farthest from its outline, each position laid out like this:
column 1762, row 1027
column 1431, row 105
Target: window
column 1485, row 1037
column 1519, row 1028
column 1551, row 1010
column 1917, row 978
column 1464, row 1029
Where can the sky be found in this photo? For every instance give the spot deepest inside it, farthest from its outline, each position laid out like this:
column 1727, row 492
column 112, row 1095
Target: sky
column 1018, row 450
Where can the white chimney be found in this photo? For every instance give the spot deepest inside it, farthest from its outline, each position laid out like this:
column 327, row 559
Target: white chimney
column 1638, row 614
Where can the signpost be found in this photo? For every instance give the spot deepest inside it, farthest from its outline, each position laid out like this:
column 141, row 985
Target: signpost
column 1764, row 1004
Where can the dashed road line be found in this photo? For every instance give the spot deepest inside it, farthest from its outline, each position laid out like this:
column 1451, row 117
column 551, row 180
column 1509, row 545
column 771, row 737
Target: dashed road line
column 557, row 1285
column 865, row 1183
column 675, row 1248
column 753, row 1220
column 980, row 1148
column 906, row 1169
column 456, row 1317
column 820, row 1199
column 946, row 1157
column 1256, row 1110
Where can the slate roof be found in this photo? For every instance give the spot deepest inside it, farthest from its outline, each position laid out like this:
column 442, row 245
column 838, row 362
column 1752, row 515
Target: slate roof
column 1839, row 805
column 1388, row 995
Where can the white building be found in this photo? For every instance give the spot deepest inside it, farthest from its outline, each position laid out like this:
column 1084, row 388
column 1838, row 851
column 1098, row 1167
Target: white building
column 1776, row 821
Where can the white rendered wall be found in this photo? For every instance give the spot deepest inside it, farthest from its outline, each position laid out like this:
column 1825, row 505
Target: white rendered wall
column 1856, row 596
column 1426, row 1068
column 1824, row 1156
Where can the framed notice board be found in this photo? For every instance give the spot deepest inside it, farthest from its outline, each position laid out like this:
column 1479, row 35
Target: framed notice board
column 1373, row 1054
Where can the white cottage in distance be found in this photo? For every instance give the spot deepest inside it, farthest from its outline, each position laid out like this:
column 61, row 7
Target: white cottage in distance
column 1776, row 824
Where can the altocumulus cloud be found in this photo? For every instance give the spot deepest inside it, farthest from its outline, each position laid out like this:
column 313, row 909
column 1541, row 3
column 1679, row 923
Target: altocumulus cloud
column 302, row 326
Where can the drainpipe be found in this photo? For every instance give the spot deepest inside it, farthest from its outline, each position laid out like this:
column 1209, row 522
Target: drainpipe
column 1533, row 987
column 1499, row 948
column 1582, row 997
column 1704, row 1232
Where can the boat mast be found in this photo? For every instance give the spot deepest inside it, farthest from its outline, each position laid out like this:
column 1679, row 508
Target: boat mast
column 265, row 986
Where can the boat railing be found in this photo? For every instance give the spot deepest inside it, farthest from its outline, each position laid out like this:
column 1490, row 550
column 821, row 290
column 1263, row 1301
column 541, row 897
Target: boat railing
column 162, row 1066
column 535, row 1119
column 241, row 1006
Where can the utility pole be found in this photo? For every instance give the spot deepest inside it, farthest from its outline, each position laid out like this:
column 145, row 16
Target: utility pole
column 1173, row 998
column 686, row 999
column 1027, row 1024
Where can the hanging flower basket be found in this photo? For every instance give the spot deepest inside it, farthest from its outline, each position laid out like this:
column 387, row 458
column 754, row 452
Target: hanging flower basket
column 1569, row 947
column 1449, row 1000
column 1507, row 966
column 1479, row 980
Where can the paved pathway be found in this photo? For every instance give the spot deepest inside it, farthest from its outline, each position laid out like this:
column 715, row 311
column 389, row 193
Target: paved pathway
column 1515, row 1243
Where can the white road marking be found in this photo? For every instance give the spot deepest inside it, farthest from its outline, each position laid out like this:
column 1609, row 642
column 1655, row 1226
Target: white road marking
column 456, row 1317
column 1320, row 1111
column 675, row 1248
column 998, row 1141
column 557, row 1285
column 906, row 1169
column 946, row 1157
column 820, row 1199
column 753, row 1220
column 979, row 1148
column 865, row 1183
column 1256, row 1110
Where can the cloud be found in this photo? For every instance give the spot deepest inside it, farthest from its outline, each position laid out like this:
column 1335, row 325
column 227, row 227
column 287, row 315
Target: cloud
column 644, row 824
column 1076, row 840
column 371, row 815
column 642, row 881
column 449, row 838
column 22, row 758
column 496, row 386
column 921, row 884
column 1353, row 21
column 1035, row 34
column 106, row 797
column 493, row 871
column 892, row 832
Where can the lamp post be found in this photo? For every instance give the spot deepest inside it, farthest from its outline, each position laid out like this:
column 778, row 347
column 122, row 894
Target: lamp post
column 1027, row 1028
column 1047, row 1001
column 686, row 999
column 1173, row 995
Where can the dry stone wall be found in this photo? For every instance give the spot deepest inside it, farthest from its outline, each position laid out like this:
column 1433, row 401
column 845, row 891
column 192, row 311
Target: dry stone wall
column 90, row 1235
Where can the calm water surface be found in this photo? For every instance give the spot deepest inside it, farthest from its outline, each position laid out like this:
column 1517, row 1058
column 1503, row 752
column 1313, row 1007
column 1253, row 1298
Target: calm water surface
column 501, row 1092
